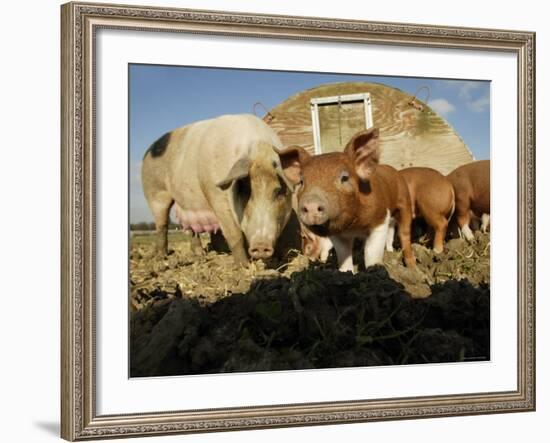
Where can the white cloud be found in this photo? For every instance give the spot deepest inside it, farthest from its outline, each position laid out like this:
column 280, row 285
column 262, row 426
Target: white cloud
column 469, row 93
column 466, row 89
column 442, row 106
column 480, row 104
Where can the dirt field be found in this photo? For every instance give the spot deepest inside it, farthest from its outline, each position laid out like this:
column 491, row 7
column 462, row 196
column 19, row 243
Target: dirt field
column 198, row 313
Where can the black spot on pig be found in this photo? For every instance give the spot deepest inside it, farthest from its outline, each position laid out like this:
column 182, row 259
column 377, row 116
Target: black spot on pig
column 159, row 147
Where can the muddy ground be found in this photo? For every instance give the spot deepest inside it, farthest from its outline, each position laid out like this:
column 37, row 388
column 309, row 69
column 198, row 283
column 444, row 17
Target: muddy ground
column 198, row 313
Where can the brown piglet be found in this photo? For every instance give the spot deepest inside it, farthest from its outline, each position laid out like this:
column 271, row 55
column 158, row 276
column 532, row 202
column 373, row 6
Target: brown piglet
column 347, row 195
column 432, row 198
column 314, row 247
column 471, row 183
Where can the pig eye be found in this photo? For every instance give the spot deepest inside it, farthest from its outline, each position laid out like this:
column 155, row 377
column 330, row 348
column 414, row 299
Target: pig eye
column 344, row 177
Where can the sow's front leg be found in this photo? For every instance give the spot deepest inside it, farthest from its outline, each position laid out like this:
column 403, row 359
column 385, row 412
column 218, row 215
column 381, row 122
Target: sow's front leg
column 235, row 240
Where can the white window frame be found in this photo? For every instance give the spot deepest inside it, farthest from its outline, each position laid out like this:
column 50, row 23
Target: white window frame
column 315, row 102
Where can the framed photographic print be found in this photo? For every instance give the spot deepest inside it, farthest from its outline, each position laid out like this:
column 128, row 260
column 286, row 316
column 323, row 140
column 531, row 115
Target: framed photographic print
column 281, row 221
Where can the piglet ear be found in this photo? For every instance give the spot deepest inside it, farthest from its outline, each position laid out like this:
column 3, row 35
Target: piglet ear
column 364, row 150
column 240, row 169
column 292, row 160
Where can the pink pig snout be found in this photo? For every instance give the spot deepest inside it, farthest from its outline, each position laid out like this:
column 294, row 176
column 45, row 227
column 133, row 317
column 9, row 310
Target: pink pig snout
column 313, row 210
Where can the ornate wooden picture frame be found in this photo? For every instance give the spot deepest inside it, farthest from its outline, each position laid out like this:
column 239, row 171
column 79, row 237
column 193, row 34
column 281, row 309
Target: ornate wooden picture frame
column 80, row 22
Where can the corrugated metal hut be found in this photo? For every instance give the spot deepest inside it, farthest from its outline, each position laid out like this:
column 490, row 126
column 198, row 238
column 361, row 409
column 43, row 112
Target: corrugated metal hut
column 322, row 119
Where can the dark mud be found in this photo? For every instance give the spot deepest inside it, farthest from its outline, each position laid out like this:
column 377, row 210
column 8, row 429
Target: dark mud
column 199, row 314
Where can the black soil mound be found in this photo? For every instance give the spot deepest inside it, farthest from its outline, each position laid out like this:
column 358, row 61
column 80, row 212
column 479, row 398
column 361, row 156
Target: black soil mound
column 314, row 318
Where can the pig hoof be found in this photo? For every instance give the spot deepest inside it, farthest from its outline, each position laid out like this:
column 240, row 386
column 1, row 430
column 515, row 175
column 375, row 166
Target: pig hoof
column 410, row 262
column 198, row 251
column 242, row 264
column 161, row 250
column 468, row 234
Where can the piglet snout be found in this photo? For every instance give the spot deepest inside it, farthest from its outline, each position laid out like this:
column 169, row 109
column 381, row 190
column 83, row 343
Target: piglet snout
column 313, row 210
column 260, row 250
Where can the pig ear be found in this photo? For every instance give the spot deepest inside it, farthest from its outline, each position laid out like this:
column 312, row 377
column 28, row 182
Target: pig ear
column 364, row 150
column 292, row 160
column 239, row 170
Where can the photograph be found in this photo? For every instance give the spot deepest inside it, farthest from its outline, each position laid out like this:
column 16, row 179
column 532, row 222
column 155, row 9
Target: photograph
column 273, row 219
column 285, row 220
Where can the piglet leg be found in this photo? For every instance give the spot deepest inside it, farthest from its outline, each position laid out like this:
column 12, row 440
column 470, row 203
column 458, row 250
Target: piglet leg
column 376, row 242
column 344, row 252
column 326, row 246
column 463, row 218
column 439, row 224
column 391, row 235
column 485, row 219
column 404, row 224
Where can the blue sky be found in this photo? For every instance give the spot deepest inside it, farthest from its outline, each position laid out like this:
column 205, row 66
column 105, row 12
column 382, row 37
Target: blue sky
column 162, row 98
